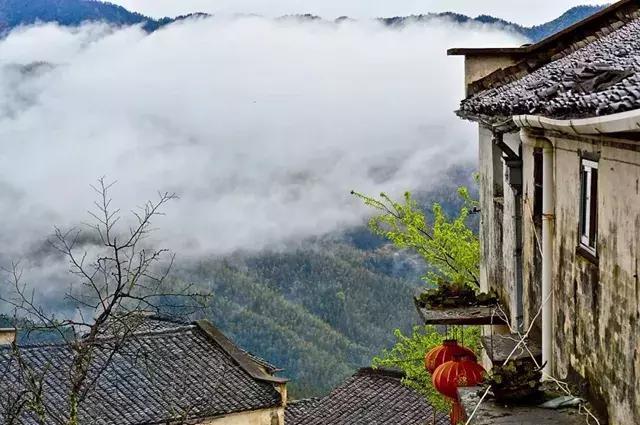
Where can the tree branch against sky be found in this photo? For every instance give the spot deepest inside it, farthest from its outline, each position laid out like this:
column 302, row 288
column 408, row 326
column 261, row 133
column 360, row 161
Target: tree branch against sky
column 117, row 276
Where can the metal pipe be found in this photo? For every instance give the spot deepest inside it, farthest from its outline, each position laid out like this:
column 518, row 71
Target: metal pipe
column 615, row 123
column 548, row 211
column 548, row 208
column 518, row 293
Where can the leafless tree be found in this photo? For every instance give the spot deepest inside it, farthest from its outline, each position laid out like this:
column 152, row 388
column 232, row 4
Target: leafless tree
column 118, row 277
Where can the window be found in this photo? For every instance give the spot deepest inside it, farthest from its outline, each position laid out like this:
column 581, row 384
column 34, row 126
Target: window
column 589, row 205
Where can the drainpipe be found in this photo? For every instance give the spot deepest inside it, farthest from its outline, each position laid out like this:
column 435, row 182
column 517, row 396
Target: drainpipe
column 548, row 208
column 518, row 295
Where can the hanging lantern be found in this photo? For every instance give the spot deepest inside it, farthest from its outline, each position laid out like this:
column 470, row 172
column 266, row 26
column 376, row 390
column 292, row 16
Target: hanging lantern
column 444, row 353
column 460, row 372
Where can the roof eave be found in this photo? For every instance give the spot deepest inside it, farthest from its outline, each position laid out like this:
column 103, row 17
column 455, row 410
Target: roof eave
column 546, row 42
column 488, row 51
column 242, row 359
column 623, row 122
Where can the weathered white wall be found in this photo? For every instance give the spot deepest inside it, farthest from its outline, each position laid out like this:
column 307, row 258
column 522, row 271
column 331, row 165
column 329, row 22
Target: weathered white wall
column 509, row 235
column 273, row 416
column 7, row 336
column 531, row 247
column 491, row 212
column 596, row 305
column 497, row 223
column 478, row 67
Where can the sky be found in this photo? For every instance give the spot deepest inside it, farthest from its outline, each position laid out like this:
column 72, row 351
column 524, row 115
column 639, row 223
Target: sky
column 261, row 127
column 524, row 12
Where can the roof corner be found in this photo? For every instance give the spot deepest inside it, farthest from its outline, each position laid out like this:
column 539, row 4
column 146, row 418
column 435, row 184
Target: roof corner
column 248, row 364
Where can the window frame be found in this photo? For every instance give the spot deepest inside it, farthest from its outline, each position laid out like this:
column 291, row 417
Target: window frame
column 588, row 218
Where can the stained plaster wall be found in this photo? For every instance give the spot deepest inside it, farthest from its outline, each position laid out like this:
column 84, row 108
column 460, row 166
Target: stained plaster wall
column 273, row 416
column 531, row 247
column 491, row 212
column 595, row 304
column 497, row 225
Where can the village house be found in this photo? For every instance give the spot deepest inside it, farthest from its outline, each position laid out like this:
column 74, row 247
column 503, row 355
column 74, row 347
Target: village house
column 167, row 372
column 559, row 149
column 370, row 396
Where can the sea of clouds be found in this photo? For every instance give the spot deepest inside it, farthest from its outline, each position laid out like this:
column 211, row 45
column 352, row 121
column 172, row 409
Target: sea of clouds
column 261, row 126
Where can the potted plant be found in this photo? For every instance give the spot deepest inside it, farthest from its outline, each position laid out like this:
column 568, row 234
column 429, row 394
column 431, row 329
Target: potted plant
column 516, row 382
column 454, row 294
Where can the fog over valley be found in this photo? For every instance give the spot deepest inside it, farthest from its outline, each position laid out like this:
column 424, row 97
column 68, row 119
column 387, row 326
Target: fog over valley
column 261, row 127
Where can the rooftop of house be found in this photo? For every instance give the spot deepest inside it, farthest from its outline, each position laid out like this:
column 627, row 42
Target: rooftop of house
column 164, row 371
column 371, row 396
column 599, row 74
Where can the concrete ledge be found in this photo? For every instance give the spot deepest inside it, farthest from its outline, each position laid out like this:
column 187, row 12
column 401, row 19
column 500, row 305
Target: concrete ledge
column 461, row 316
column 490, row 413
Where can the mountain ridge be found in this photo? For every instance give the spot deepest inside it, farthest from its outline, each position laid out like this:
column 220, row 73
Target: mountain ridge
column 15, row 13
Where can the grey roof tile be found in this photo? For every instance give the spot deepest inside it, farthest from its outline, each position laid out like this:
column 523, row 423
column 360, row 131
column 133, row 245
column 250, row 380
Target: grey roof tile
column 601, row 78
column 169, row 370
column 370, row 397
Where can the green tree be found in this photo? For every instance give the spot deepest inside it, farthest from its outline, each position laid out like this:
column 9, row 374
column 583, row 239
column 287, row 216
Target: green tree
column 408, row 355
column 451, row 251
column 449, row 247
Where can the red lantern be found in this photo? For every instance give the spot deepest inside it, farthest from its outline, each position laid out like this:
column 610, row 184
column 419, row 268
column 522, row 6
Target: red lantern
column 444, row 353
column 460, row 372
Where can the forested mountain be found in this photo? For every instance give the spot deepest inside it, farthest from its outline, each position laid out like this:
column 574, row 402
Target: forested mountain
column 14, row 13
column 534, row 33
column 318, row 312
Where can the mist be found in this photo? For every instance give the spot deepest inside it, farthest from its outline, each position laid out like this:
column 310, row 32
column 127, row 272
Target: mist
column 515, row 11
column 261, row 127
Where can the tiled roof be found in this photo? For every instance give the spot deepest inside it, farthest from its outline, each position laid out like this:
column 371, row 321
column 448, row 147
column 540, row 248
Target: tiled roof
column 370, row 397
column 601, row 78
column 169, row 371
column 298, row 408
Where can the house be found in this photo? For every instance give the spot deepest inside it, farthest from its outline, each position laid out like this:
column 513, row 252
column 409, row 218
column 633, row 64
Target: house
column 166, row 372
column 369, row 397
column 559, row 148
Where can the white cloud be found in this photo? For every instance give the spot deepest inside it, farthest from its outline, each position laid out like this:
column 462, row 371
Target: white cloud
column 261, row 127
column 523, row 12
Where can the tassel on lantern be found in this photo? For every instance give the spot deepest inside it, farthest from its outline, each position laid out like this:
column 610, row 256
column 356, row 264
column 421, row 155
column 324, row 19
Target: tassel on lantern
column 457, row 414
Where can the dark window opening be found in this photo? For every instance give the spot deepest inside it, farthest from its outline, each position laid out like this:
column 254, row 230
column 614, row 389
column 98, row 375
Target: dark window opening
column 537, row 185
column 589, row 205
